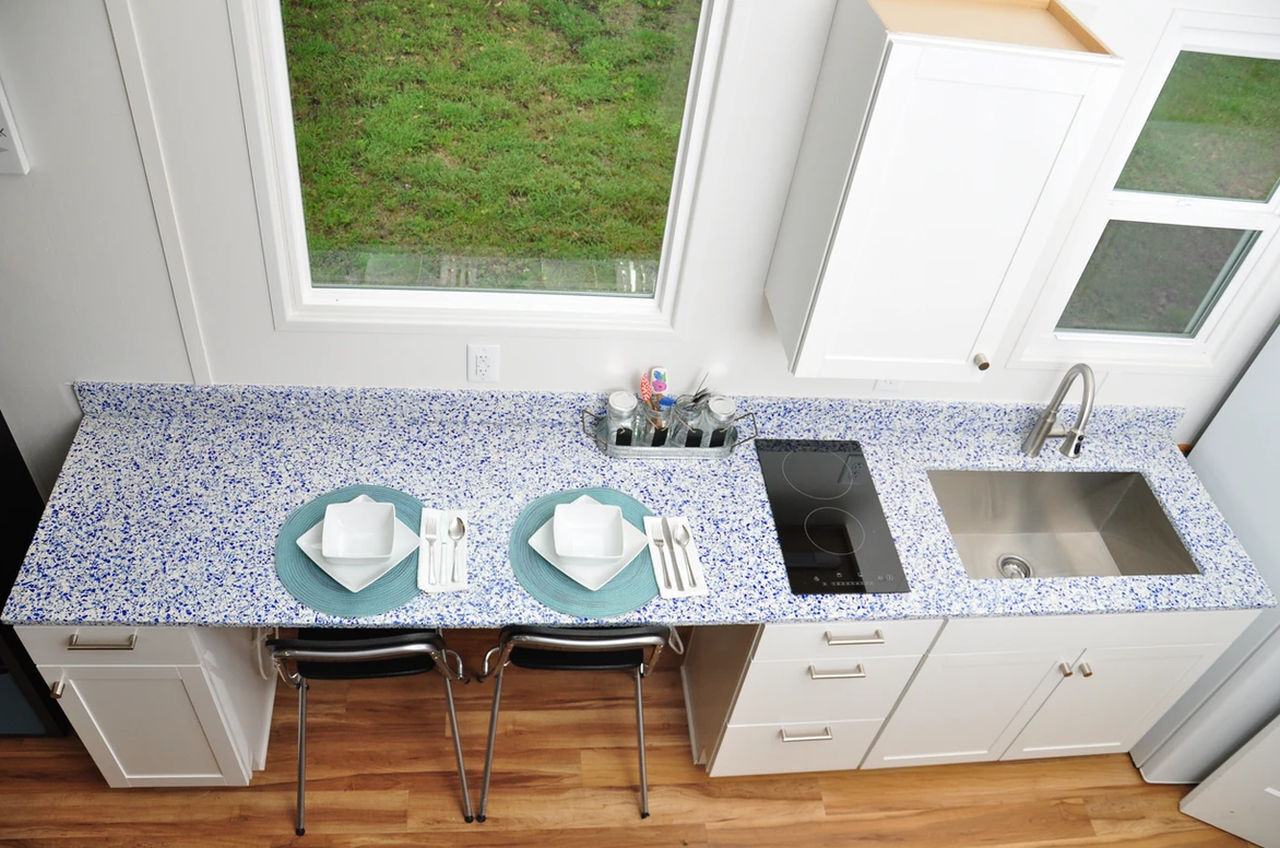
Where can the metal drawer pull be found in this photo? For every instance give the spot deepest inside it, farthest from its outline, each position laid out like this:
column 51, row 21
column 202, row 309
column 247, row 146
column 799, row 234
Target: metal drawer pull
column 55, row 691
column 74, row 644
column 836, row 642
column 1086, row 669
column 858, row 672
column 1065, row 668
column 824, row 736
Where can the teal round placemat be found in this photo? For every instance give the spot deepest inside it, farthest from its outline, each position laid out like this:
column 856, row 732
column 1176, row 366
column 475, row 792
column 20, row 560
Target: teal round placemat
column 634, row 587
column 306, row 582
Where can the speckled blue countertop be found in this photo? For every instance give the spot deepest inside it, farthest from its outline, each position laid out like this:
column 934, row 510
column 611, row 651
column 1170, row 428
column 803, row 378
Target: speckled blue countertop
column 168, row 505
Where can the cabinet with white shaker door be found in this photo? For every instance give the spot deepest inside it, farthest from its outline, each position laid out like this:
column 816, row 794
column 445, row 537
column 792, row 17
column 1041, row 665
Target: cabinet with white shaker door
column 1017, row 688
column 161, row 706
column 941, row 144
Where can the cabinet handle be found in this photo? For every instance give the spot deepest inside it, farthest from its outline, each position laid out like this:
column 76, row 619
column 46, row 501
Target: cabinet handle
column 1065, row 668
column 1086, row 669
column 824, row 736
column 74, row 644
column 55, row 691
column 836, row 642
column 981, row 361
column 858, row 672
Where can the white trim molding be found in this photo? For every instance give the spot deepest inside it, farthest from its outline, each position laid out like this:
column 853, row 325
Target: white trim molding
column 134, row 73
column 258, row 41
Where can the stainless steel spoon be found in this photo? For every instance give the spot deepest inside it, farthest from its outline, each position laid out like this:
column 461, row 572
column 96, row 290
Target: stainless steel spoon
column 457, row 529
column 680, row 535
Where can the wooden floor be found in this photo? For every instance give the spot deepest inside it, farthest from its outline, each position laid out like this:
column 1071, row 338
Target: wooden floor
column 380, row 773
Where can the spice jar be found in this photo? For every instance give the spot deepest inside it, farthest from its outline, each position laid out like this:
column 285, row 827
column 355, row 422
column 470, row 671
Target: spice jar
column 620, row 419
column 720, row 413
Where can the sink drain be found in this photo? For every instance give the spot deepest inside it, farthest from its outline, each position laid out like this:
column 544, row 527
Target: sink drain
column 1013, row 566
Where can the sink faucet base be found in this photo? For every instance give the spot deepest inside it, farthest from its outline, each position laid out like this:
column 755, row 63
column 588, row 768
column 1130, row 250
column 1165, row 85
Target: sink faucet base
column 1072, row 438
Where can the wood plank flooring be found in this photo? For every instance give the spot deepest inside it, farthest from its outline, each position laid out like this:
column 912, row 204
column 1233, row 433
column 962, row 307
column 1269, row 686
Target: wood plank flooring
column 380, row 773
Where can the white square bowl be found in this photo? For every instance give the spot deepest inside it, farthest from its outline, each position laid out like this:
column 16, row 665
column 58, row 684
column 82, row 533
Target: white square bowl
column 586, row 533
column 358, row 532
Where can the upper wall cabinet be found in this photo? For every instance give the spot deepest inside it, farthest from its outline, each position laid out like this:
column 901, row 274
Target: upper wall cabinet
column 943, row 138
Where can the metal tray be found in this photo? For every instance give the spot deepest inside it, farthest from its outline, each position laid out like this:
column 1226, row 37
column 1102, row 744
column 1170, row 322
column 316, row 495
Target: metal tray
column 593, row 424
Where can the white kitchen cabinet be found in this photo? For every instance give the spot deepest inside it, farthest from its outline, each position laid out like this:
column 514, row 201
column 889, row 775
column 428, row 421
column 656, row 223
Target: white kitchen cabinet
column 161, row 706
column 1075, row 685
column 941, row 142
column 961, row 708
column 1111, row 698
column 796, row 697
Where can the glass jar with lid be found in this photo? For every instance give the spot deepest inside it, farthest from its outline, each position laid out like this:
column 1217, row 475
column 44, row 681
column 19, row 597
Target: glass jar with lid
column 721, row 412
column 620, row 418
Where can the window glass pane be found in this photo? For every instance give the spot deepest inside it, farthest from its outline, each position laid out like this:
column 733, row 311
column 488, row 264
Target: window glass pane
column 1214, row 130
column 1154, row 278
column 515, row 145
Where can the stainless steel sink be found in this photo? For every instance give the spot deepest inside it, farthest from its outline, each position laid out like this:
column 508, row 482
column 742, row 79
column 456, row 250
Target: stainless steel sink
column 1058, row 524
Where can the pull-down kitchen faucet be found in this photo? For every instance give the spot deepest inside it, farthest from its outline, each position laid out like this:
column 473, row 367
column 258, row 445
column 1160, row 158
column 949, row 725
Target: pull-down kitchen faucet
column 1044, row 429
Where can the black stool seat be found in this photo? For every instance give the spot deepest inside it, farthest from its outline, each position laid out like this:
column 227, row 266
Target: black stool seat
column 362, row 654
column 629, row 648
column 565, row 661
column 359, row 639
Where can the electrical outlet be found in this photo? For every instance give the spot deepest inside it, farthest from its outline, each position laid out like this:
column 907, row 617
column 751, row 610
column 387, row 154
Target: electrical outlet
column 482, row 362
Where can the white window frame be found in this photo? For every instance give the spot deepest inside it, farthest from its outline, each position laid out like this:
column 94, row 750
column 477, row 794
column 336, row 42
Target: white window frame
column 258, row 39
column 1246, row 300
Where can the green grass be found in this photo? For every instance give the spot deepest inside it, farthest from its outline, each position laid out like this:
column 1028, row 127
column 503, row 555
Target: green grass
column 1214, row 130
column 1152, row 278
column 508, row 128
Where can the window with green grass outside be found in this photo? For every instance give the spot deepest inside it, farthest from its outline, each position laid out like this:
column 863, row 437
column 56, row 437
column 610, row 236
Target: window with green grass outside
column 513, row 145
column 1209, row 148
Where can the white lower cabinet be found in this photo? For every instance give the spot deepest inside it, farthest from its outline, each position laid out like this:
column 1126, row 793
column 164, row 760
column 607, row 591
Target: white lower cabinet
column 1077, row 685
column 961, row 708
column 1112, row 696
column 812, row 697
column 161, row 706
column 796, row 697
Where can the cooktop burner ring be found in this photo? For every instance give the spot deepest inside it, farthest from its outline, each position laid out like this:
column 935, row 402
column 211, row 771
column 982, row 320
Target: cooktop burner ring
column 818, row 484
column 826, row 526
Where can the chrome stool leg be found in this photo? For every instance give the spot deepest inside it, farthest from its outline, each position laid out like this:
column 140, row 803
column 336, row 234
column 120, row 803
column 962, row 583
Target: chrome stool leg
column 302, row 753
column 644, row 776
column 488, row 754
column 457, row 751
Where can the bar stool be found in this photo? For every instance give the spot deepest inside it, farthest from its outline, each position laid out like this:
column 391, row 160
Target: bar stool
column 358, row 654
column 634, row 649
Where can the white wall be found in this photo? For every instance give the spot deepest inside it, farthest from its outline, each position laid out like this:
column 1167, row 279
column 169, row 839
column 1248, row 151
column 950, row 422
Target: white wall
column 81, row 232
column 84, row 293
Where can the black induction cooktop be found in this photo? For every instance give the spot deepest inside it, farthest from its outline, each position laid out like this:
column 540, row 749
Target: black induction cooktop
column 831, row 526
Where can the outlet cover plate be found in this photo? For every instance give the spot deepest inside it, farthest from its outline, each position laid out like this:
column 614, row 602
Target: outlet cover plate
column 482, row 363
column 13, row 159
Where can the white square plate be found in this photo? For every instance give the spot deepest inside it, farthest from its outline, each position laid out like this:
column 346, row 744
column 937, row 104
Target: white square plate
column 592, row 576
column 357, row 577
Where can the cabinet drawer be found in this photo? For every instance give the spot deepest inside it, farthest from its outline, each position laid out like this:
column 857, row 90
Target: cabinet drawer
column 103, row 645
column 821, row 746
column 838, row 688
column 846, row 639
